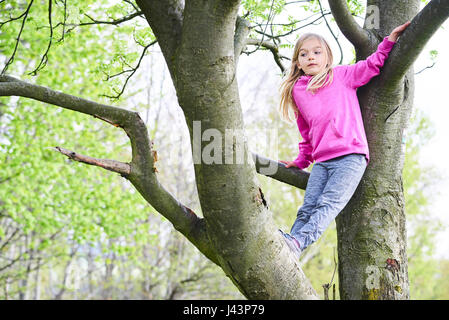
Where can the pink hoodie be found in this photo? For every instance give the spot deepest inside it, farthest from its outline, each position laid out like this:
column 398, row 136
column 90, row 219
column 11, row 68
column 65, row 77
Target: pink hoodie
column 330, row 121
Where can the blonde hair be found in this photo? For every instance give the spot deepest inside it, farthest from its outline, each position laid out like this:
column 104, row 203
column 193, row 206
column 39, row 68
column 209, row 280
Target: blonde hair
column 316, row 82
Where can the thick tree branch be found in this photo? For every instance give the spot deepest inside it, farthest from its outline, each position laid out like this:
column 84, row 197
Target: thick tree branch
column 140, row 172
column 292, row 176
column 347, row 24
column 411, row 43
column 242, row 29
column 165, row 19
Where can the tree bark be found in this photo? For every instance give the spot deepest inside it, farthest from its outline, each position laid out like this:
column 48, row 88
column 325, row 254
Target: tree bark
column 240, row 227
column 371, row 229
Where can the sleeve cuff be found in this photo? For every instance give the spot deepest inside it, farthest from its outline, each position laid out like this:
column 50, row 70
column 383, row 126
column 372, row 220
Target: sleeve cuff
column 386, row 44
column 301, row 164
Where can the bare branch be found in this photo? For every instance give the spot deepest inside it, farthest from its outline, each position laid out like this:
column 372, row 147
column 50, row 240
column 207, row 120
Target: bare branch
column 112, row 165
column 19, row 257
column 428, row 67
column 24, row 15
column 132, row 72
column 131, row 4
column 14, row 19
column 292, row 176
column 64, row 21
column 277, row 37
column 272, row 47
column 112, row 22
column 330, row 30
column 7, row 241
column 44, row 59
column 297, row 21
column 270, row 17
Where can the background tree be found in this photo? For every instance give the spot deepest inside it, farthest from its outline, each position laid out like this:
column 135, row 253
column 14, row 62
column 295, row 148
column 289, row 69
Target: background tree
column 201, row 42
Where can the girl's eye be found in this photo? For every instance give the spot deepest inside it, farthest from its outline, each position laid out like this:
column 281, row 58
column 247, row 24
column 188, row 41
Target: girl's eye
column 303, row 54
column 317, row 52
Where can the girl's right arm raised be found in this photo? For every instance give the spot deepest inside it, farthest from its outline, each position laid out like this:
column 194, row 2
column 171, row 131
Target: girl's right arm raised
column 360, row 73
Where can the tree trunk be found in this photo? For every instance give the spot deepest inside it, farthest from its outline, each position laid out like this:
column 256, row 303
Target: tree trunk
column 241, row 227
column 199, row 49
column 371, row 229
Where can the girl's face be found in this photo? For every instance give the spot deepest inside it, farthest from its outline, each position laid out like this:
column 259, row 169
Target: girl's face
column 312, row 57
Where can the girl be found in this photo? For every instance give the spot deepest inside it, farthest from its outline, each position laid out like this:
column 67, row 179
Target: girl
column 324, row 101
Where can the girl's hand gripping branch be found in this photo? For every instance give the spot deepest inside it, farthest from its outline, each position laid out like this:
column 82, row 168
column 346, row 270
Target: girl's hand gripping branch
column 394, row 35
column 288, row 164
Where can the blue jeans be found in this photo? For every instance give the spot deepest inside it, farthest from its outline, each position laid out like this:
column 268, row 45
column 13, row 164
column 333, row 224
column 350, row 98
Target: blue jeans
column 330, row 187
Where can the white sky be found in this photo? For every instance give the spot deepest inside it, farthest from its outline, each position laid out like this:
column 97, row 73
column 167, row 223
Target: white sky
column 432, row 96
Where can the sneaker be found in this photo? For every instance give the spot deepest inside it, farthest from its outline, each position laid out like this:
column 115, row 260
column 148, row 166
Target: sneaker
column 292, row 243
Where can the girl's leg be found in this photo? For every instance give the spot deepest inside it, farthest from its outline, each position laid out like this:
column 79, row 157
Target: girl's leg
column 345, row 174
column 315, row 185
